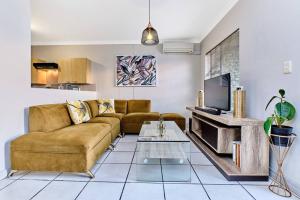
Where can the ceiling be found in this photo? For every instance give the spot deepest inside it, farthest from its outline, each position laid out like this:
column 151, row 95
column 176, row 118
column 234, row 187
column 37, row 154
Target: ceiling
column 122, row 21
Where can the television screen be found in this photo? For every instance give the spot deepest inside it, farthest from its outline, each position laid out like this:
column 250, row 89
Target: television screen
column 217, row 92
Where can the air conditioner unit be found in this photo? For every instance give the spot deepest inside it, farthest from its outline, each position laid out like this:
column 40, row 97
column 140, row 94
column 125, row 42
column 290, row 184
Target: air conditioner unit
column 178, row 47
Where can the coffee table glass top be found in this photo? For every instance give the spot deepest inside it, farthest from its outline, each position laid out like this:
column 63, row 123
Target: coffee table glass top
column 151, row 133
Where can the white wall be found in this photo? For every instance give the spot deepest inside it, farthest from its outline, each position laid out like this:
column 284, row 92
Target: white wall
column 269, row 35
column 177, row 74
column 16, row 93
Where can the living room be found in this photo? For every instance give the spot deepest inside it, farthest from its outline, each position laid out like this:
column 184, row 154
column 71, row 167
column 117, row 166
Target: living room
column 132, row 84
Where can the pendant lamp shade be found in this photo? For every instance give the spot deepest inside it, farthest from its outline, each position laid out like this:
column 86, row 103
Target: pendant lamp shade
column 150, row 36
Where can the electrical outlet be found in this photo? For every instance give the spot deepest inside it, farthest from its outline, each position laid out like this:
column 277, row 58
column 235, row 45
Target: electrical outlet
column 287, row 67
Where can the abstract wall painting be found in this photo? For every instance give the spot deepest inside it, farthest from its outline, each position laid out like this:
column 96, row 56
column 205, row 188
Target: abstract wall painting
column 136, row 71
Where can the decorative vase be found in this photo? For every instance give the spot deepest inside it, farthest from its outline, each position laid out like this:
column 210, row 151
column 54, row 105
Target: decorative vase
column 239, row 96
column 200, row 99
column 161, row 128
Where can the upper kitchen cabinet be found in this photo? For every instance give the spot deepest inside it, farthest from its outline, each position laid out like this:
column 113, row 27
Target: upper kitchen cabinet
column 75, row 71
column 38, row 77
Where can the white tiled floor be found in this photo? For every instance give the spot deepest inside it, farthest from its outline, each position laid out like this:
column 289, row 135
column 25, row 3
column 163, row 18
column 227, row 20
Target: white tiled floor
column 115, row 179
column 57, row 190
column 143, row 191
column 210, row 175
column 218, row 192
column 112, row 173
column 99, row 190
column 185, row 191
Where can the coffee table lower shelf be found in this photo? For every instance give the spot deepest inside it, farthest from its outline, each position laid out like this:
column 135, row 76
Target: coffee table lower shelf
column 225, row 164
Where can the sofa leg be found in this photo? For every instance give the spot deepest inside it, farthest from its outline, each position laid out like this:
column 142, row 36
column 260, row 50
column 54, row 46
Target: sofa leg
column 90, row 174
column 120, row 135
column 123, row 134
column 11, row 173
column 111, row 147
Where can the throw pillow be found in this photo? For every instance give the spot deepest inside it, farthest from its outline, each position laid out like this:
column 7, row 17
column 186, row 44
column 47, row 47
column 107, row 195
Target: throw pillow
column 106, row 106
column 79, row 111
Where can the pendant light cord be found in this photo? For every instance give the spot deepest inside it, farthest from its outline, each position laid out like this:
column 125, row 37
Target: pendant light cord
column 149, row 11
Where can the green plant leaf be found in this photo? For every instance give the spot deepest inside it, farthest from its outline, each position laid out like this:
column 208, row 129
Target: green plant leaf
column 274, row 97
column 292, row 111
column 285, row 110
column 268, row 125
column 282, row 92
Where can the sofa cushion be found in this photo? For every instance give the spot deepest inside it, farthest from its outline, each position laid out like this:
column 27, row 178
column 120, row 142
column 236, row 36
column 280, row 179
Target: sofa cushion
column 177, row 118
column 46, row 118
column 115, row 115
column 121, row 106
column 107, row 120
column 79, row 111
column 140, row 117
column 73, row 139
column 93, row 104
column 113, row 122
column 138, row 106
column 132, row 122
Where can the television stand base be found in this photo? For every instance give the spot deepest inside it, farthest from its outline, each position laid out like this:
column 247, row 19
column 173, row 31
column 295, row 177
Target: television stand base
column 208, row 110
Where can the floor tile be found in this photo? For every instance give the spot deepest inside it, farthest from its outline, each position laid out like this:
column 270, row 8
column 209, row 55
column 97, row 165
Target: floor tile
column 18, row 174
column 263, row 193
column 210, row 175
column 112, row 172
column 22, row 189
column 62, row 190
column 99, row 190
column 129, row 138
column 41, row 175
column 125, row 146
column 119, row 157
column 145, row 191
column 185, row 191
column 173, row 173
column 194, row 148
column 228, row 192
column 76, row 176
column 146, row 173
column 5, row 182
column 199, row 159
column 103, row 157
column 255, row 182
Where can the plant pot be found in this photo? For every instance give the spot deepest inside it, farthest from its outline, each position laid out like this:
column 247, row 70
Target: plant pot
column 281, row 131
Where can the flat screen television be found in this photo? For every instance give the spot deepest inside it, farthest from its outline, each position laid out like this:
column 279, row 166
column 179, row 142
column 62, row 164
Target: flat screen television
column 217, row 92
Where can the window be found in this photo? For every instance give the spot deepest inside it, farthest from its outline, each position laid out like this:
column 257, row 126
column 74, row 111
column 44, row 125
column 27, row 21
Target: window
column 223, row 59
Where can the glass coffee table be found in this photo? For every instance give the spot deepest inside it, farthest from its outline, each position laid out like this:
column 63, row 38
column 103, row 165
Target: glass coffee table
column 163, row 157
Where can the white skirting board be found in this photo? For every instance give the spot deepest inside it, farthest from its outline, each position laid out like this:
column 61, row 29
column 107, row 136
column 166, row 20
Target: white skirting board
column 3, row 174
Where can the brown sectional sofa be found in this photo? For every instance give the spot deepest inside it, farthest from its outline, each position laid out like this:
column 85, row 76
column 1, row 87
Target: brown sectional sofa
column 55, row 144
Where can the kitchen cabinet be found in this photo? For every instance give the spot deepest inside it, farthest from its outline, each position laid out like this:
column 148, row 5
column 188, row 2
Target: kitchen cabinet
column 74, row 71
column 38, row 76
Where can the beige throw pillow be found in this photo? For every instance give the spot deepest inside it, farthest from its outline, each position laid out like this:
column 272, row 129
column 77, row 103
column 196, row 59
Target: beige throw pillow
column 79, row 111
column 106, row 106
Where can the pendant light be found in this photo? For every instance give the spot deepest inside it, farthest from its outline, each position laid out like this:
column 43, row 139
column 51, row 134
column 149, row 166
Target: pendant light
column 150, row 36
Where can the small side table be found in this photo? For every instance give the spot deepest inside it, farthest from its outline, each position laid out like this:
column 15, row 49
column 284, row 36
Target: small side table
column 280, row 146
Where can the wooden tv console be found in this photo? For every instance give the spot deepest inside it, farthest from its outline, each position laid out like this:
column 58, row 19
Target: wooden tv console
column 254, row 154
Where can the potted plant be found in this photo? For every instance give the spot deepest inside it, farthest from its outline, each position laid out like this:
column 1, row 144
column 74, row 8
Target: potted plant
column 284, row 111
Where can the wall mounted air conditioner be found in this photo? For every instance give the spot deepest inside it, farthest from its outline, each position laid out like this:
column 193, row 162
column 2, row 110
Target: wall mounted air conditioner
column 178, row 47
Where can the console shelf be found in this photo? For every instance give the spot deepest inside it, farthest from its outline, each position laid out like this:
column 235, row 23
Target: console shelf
column 254, row 144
